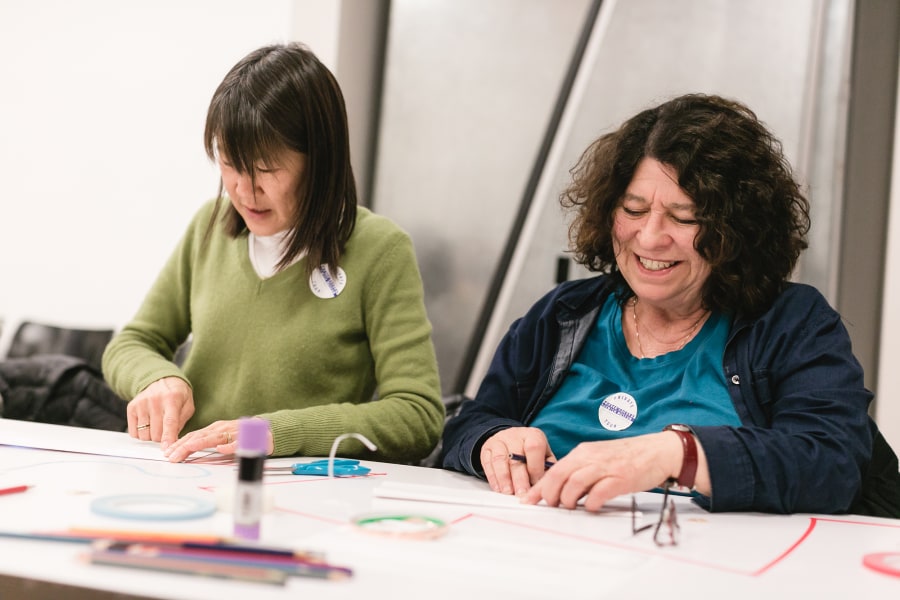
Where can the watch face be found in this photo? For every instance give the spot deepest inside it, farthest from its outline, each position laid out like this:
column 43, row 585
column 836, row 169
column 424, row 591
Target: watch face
column 679, row 427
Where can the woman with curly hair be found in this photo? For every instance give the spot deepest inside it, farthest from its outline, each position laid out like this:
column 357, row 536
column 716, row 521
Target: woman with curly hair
column 691, row 360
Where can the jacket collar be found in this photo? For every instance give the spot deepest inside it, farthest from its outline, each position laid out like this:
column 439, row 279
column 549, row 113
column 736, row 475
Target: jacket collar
column 578, row 297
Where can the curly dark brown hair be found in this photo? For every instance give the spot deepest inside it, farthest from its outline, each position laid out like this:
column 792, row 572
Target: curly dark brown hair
column 752, row 214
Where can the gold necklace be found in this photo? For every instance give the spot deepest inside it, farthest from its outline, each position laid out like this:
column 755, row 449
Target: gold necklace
column 684, row 341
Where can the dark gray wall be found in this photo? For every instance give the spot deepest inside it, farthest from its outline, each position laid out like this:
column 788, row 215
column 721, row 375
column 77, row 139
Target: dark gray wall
column 470, row 86
column 870, row 133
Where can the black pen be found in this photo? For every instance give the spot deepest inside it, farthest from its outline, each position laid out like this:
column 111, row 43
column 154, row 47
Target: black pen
column 521, row 458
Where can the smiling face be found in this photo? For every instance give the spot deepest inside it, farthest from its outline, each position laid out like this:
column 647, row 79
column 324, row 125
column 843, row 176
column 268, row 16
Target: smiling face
column 267, row 198
column 653, row 235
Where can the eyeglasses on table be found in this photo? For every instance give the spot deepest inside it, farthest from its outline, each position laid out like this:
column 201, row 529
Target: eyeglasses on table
column 666, row 531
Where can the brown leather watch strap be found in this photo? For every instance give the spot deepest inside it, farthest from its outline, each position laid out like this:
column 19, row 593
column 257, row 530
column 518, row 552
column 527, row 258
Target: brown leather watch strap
column 688, row 474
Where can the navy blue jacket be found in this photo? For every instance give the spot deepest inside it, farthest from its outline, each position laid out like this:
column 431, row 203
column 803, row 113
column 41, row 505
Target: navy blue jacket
column 806, row 438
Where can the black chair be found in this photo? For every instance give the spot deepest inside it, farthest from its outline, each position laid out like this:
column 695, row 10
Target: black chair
column 32, row 338
column 452, row 404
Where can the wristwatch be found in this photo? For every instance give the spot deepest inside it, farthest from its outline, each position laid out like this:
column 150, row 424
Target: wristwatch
column 688, row 474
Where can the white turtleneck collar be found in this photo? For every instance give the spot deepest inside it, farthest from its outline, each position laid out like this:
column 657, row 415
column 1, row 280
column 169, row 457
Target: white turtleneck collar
column 266, row 252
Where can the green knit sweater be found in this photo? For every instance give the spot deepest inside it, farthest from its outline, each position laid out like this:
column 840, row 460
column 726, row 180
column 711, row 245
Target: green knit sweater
column 362, row 361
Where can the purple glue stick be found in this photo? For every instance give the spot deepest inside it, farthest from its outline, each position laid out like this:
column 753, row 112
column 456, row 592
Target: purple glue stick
column 253, row 443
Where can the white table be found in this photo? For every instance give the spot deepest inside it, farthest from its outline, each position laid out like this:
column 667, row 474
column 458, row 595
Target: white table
column 494, row 548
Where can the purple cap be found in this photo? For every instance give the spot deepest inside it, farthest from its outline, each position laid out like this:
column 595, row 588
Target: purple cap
column 253, row 435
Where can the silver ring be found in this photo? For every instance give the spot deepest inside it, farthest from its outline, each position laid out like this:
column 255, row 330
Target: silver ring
column 144, row 426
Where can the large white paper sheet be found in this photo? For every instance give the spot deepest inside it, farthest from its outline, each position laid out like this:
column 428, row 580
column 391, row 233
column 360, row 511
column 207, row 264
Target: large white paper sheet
column 77, row 439
column 488, row 498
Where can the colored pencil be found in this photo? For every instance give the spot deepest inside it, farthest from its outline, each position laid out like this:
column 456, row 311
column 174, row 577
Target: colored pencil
column 170, row 565
column 14, row 490
column 188, row 540
column 191, row 540
column 121, row 535
column 174, row 547
column 47, row 537
column 87, row 536
column 291, row 566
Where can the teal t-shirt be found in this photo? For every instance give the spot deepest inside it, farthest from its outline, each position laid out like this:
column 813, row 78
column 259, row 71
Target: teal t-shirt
column 609, row 393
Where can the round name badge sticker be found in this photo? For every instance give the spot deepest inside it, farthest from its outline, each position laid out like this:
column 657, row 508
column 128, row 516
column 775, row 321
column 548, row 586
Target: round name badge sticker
column 325, row 285
column 617, row 411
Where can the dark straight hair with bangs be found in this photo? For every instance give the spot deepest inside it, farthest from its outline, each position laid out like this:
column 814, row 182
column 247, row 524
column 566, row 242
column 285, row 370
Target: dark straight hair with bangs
column 282, row 97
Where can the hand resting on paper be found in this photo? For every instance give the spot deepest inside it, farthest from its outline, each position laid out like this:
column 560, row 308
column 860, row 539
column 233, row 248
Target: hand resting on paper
column 600, row 471
column 221, row 435
column 160, row 410
column 512, row 476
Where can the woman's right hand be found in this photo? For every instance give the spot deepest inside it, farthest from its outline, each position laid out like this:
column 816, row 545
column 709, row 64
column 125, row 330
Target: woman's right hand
column 165, row 405
column 506, row 475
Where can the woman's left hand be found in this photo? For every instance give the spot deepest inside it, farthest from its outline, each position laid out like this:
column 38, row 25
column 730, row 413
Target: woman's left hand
column 600, row 471
column 221, row 435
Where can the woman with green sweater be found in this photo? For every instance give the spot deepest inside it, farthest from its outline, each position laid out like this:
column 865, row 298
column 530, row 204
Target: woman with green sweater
column 302, row 308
